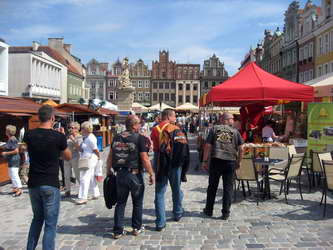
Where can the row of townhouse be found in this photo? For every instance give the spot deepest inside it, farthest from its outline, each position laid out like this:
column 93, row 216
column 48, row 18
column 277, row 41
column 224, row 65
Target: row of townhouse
column 304, row 50
column 42, row 72
column 167, row 81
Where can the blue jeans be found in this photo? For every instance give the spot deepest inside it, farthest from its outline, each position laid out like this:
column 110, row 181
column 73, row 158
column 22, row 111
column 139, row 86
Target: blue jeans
column 45, row 203
column 177, row 196
column 134, row 184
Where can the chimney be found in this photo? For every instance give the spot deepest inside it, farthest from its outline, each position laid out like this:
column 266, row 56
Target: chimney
column 56, row 43
column 68, row 47
column 35, row 45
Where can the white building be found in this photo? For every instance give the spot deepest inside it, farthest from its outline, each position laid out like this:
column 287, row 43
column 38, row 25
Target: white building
column 3, row 68
column 34, row 74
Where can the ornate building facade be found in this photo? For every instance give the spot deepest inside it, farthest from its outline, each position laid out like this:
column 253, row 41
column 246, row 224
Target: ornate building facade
column 306, row 58
column 97, row 79
column 187, row 83
column 213, row 73
column 140, row 77
column 163, row 83
column 290, row 47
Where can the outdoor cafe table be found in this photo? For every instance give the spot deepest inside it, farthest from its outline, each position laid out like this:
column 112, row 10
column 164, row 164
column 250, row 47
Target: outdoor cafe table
column 265, row 163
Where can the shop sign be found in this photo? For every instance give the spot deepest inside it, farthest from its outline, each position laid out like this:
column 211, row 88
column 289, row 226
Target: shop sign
column 320, row 127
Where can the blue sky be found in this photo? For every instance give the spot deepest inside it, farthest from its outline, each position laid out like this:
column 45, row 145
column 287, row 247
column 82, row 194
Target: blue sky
column 192, row 30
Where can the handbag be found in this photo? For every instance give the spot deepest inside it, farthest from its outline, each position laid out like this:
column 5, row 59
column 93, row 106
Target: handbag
column 99, row 171
column 83, row 163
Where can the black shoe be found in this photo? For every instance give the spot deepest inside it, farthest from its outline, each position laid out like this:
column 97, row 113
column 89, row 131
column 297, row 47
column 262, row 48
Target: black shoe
column 207, row 213
column 160, row 229
column 178, row 218
column 224, row 216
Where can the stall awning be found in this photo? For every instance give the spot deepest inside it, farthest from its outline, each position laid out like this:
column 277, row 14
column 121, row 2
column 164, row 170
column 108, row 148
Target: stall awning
column 253, row 85
column 18, row 114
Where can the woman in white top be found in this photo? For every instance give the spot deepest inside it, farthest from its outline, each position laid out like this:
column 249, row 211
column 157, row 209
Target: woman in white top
column 88, row 150
column 268, row 134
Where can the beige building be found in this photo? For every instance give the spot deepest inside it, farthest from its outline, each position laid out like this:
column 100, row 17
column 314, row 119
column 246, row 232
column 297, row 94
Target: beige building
column 187, row 83
column 140, row 78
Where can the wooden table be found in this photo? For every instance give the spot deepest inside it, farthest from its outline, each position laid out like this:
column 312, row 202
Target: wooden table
column 4, row 177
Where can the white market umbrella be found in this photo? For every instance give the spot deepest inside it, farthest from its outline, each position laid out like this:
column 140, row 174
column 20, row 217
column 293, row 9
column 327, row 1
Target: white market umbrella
column 139, row 108
column 187, row 107
column 160, row 107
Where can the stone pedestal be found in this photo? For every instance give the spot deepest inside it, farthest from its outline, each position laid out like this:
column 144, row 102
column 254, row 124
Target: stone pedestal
column 125, row 98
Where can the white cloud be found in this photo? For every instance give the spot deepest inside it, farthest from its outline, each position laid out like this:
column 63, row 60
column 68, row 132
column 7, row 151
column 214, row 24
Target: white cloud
column 33, row 32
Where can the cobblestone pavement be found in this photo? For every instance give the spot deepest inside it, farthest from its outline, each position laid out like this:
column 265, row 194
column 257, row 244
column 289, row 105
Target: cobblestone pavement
column 271, row 225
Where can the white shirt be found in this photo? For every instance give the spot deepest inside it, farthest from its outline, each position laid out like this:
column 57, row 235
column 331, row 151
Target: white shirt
column 88, row 146
column 268, row 132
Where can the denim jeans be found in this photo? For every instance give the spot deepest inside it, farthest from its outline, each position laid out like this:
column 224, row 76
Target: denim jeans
column 45, row 203
column 177, row 196
column 217, row 169
column 128, row 183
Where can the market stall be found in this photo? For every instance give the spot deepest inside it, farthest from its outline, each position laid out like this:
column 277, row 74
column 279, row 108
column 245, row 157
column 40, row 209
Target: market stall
column 101, row 118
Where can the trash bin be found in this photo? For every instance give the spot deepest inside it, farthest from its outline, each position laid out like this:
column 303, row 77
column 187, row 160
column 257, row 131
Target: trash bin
column 100, row 143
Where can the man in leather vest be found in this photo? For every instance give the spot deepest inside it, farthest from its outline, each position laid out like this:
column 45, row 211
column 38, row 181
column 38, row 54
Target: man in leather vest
column 128, row 153
column 223, row 145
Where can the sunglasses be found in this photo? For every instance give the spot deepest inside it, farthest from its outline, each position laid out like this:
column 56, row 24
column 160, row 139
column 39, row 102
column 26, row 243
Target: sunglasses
column 71, row 128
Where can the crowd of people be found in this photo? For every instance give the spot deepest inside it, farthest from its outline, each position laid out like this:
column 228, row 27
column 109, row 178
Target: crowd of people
column 46, row 148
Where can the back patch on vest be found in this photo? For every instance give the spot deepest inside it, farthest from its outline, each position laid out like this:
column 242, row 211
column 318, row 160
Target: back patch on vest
column 122, row 149
column 224, row 135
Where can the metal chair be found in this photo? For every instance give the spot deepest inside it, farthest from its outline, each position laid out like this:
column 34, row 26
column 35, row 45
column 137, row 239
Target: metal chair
column 247, row 172
column 292, row 171
column 280, row 153
column 328, row 181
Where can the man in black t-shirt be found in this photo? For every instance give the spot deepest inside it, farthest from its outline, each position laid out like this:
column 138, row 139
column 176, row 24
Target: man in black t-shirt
column 45, row 146
column 128, row 153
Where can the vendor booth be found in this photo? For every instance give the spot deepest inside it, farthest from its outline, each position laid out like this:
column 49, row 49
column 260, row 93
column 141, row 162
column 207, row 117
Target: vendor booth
column 101, row 119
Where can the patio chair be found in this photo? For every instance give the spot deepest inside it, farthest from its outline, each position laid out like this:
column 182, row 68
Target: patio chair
column 328, row 181
column 247, row 172
column 280, row 153
column 292, row 171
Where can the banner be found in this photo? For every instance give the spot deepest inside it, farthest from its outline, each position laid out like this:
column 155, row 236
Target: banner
column 320, row 127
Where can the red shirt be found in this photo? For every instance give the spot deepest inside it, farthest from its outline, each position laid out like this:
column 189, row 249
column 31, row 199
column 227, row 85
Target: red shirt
column 155, row 136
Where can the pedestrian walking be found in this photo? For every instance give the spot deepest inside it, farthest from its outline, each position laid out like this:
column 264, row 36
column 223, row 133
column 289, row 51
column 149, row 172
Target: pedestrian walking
column 11, row 153
column 128, row 153
column 223, row 145
column 45, row 145
column 74, row 141
column 89, row 156
column 171, row 161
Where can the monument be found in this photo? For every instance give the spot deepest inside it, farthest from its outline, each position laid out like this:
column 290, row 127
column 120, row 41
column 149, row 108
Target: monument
column 125, row 92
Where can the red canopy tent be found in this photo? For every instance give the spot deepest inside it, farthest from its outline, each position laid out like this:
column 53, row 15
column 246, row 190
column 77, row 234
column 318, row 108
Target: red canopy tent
column 253, row 85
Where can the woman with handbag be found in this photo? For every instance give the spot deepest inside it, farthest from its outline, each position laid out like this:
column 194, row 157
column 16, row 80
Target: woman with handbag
column 74, row 141
column 89, row 156
column 11, row 153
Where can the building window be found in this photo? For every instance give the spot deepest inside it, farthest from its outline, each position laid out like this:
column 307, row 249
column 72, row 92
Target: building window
column 173, row 97
column 188, row 98
column 195, row 87
column 147, row 96
column 310, row 74
column 93, row 85
column 180, row 99
column 206, row 85
column 139, row 96
column 213, row 84
column 134, row 84
column 147, row 85
column 320, row 71
column 188, row 86
column 140, row 84
column 195, row 99
column 180, row 86
column 311, row 50
column 154, row 85
column 154, row 96
column 173, row 85
column 301, row 77
column 164, row 74
column 327, row 44
column 111, row 95
column 326, row 69
column 320, row 46
column 167, row 85
column 161, row 85
column 160, row 97
column 166, row 97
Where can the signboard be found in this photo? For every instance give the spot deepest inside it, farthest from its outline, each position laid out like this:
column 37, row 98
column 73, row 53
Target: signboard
column 320, row 127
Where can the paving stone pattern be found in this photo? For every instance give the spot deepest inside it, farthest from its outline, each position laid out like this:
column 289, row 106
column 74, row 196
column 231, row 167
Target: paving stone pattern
column 271, row 225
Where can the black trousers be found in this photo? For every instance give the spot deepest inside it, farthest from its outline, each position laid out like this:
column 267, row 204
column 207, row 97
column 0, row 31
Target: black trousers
column 217, row 169
column 128, row 183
